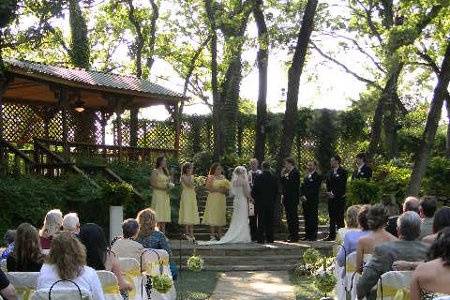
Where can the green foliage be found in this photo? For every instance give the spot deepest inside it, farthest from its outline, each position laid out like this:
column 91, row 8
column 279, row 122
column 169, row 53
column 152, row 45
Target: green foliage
column 351, row 125
column 117, row 194
column 437, row 177
column 311, row 257
column 162, row 283
column 195, row 263
column 79, row 51
column 324, row 129
column 392, row 178
column 325, row 282
column 363, row 192
column 202, row 162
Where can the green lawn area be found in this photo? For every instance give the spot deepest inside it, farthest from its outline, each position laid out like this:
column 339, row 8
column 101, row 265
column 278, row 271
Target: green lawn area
column 304, row 288
column 196, row 285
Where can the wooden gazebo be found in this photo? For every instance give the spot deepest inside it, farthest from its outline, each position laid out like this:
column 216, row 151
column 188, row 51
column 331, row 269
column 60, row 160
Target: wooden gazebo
column 68, row 109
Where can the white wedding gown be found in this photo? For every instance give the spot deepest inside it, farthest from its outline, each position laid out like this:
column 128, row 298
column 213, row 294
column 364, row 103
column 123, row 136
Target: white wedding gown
column 239, row 230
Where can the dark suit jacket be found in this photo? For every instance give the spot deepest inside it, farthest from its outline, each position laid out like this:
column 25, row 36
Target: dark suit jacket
column 265, row 189
column 391, row 226
column 291, row 185
column 311, row 186
column 337, row 183
column 364, row 173
column 383, row 257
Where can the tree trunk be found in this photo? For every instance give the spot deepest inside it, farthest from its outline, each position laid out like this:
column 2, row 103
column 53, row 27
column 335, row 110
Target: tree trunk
column 431, row 126
column 152, row 39
column 387, row 96
column 79, row 44
column 295, row 72
column 217, row 103
column 390, row 127
column 262, row 61
column 447, row 101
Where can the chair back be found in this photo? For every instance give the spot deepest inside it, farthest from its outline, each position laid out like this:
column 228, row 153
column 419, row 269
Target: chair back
column 24, row 283
column 109, row 285
column 394, row 285
column 62, row 293
column 156, row 262
column 351, row 276
column 447, row 297
column 3, row 265
column 132, row 272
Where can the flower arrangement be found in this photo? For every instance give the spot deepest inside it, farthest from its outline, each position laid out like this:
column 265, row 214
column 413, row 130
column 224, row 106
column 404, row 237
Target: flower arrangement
column 325, row 281
column 195, row 263
column 199, row 181
column 224, row 183
column 162, row 283
column 311, row 257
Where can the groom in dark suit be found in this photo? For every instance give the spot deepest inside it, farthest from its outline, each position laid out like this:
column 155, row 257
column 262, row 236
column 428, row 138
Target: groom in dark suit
column 290, row 181
column 264, row 191
column 310, row 191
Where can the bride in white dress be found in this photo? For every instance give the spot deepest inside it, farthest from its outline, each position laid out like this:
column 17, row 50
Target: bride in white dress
column 239, row 230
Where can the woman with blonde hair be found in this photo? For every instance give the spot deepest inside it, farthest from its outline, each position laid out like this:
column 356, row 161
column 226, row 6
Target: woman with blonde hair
column 215, row 209
column 27, row 255
column 67, row 261
column 188, row 215
column 160, row 182
column 150, row 237
column 52, row 225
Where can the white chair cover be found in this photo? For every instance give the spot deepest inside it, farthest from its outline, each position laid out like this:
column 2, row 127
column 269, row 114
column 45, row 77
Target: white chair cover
column 24, row 283
column 442, row 298
column 394, row 285
column 61, row 294
column 3, row 265
column 152, row 261
column 109, row 285
column 351, row 276
column 132, row 272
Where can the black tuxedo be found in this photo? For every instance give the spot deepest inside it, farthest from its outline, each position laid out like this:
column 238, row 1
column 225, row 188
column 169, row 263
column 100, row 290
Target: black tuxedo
column 310, row 190
column 364, row 173
column 253, row 220
column 337, row 184
column 264, row 191
column 291, row 195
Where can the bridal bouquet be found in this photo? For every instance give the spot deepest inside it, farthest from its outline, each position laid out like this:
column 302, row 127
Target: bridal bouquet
column 195, row 263
column 225, row 184
column 162, row 283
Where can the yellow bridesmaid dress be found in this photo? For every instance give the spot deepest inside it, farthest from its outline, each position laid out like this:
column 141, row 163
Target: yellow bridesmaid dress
column 188, row 206
column 161, row 198
column 215, row 210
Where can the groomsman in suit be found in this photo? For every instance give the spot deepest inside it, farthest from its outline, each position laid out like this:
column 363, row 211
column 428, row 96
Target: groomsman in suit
column 253, row 220
column 290, row 181
column 336, row 182
column 264, row 191
column 310, row 192
column 363, row 171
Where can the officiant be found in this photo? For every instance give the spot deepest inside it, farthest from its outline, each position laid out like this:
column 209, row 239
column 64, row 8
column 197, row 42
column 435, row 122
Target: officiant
column 264, row 191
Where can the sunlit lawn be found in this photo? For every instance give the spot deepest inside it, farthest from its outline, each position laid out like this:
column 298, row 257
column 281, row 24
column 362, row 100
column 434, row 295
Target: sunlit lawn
column 196, row 285
column 304, row 288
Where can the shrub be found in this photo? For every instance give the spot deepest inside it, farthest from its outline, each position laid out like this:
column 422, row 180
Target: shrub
column 363, row 192
column 202, row 162
column 117, row 194
column 437, row 175
column 393, row 178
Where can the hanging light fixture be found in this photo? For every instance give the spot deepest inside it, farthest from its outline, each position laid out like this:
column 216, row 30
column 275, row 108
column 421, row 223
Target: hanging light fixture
column 79, row 105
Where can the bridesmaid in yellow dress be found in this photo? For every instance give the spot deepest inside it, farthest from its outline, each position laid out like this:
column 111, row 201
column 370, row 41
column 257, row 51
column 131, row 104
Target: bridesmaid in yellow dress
column 188, row 215
column 161, row 185
column 215, row 210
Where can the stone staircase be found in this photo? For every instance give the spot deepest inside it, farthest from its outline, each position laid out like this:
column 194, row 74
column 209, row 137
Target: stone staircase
column 246, row 257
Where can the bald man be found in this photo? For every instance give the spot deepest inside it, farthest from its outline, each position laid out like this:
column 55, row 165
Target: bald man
column 410, row 204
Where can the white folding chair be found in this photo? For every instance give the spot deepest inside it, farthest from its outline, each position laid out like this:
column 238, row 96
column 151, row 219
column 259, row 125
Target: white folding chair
column 132, row 272
column 3, row 265
column 156, row 262
column 24, row 283
column 394, row 285
column 109, row 285
column 69, row 291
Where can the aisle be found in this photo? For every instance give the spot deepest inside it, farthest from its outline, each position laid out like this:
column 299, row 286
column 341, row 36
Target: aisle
column 254, row 285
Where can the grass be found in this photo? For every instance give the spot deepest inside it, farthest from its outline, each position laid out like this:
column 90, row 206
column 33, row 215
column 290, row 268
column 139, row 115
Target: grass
column 304, row 287
column 196, row 285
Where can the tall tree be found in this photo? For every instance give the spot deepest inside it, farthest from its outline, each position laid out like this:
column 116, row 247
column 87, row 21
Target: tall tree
column 79, row 50
column 262, row 60
column 434, row 115
column 294, row 74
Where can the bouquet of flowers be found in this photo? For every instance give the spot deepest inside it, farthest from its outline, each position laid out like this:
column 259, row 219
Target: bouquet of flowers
column 195, row 263
column 162, row 283
column 311, row 257
column 225, row 184
column 199, row 181
column 170, row 185
column 325, row 281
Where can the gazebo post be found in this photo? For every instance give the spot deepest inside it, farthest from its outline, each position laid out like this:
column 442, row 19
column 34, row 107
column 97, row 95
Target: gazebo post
column 134, row 126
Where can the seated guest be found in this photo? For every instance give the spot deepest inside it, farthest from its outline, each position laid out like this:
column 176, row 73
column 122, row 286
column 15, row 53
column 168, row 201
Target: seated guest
column 71, row 223
column 428, row 205
column 9, row 238
column 376, row 221
column 7, row 291
column 98, row 256
column 441, row 220
column 150, row 237
column 52, row 225
column 27, row 255
column 388, row 200
column 126, row 246
column 410, row 204
column 408, row 248
column 351, row 223
column 434, row 276
column 67, row 260
column 352, row 236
